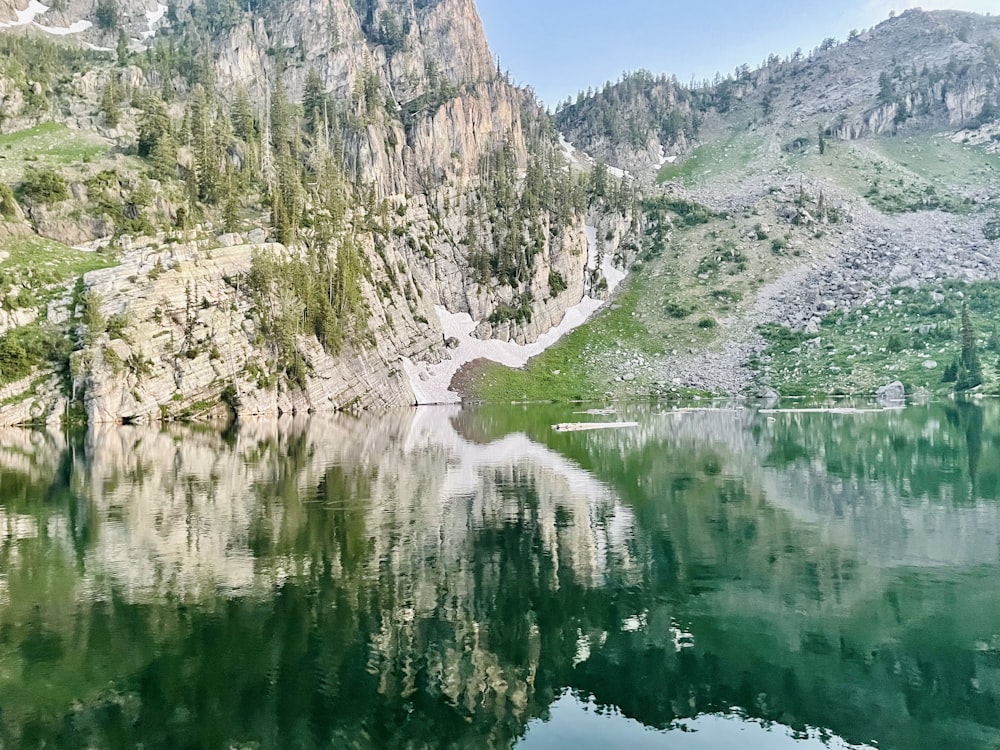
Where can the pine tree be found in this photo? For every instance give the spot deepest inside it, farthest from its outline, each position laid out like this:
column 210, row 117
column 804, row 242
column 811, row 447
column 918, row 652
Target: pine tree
column 313, row 102
column 970, row 371
column 122, row 48
column 111, row 104
column 244, row 125
column 206, row 151
column 156, row 140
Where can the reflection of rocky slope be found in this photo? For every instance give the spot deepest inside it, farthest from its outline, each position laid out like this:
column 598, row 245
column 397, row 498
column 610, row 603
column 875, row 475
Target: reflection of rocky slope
column 440, row 575
column 191, row 516
column 179, row 507
column 894, row 487
column 813, row 553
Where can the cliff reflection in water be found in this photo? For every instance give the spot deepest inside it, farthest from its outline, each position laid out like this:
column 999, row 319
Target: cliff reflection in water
column 440, row 577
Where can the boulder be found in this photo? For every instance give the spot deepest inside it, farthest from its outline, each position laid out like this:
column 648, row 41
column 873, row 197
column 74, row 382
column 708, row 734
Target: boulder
column 891, row 393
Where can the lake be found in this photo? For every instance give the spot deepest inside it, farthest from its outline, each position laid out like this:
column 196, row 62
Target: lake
column 440, row 577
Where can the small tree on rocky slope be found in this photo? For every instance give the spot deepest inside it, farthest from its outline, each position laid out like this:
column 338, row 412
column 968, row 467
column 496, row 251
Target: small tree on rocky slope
column 970, row 371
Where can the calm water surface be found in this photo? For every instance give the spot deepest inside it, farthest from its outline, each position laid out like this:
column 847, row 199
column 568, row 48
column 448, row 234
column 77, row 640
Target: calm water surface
column 472, row 579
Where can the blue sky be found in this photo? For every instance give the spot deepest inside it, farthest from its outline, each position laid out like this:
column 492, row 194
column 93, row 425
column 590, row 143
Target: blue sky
column 560, row 47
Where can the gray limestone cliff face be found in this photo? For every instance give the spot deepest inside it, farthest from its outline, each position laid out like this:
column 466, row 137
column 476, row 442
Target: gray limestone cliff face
column 192, row 336
column 413, row 50
column 445, row 104
column 427, row 110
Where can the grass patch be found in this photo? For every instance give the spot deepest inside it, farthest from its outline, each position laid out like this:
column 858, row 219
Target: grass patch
column 575, row 369
column 730, row 157
column 49, row 144
column 903, row 175
column 37, row 270
column 893, row 339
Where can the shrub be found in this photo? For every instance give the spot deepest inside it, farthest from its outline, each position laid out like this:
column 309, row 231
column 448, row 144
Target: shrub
column 43, row 185
column 106, row 14
column 24, row 348
column 557, row 284
column 707, row 323
column 677, row 310
column 8, row 205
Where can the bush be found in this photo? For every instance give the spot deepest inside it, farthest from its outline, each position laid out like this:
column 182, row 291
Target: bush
column 24, row 348
column 707, row 323
column 8, row 205
column 677, row 310
column 106, row 14
column 43, row 185
column 557, row 284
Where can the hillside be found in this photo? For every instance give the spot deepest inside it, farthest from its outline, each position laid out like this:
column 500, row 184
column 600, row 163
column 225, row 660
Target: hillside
column 270, row 209
column 814, row 226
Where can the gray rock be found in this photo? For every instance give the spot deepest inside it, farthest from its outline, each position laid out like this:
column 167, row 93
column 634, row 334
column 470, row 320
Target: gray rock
column 930, row 364
column 229, row 240
column 892, row 393
column 900, row 273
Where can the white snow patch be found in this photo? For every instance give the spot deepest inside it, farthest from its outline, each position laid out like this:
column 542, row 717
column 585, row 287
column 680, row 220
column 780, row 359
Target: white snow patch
column 153, row 18
column 96, row 48
column 568, row 148
column 74, row 28
column 430, row 383
column 619, row 173
column 574, row 155
column 27, row 17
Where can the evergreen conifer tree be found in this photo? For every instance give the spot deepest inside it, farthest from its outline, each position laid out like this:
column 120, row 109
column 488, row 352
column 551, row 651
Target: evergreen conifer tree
column 970, row 371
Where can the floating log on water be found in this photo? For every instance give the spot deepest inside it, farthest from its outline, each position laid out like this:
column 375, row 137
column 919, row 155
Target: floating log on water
column 831, row 410
column 581, row 426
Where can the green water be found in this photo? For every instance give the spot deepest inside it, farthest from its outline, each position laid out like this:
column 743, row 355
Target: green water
column 473, row 579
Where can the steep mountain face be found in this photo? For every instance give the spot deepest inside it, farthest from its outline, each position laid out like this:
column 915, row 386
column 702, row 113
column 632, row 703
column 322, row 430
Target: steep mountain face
column 640, row 118
column 915, row 72
column 398, row 171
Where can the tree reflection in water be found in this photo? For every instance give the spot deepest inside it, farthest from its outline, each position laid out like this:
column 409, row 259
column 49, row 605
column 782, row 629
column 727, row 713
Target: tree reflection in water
column 440, row 578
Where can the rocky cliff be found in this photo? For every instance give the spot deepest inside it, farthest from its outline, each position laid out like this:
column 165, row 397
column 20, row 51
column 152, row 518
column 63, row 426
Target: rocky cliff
column 384, row 149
